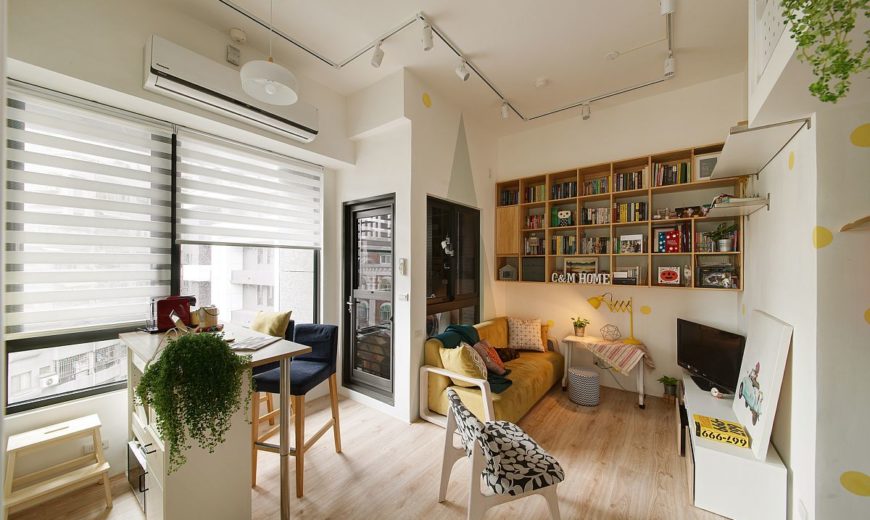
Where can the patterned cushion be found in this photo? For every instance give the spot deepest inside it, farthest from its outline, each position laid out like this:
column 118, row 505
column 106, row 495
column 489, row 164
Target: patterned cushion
column 507, row 354
column 465, row 361
column 493, row 363
column 515, row 463
column 525, row 334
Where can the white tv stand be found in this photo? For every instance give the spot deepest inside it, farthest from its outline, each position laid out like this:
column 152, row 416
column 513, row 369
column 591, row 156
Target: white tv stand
column 725, row 479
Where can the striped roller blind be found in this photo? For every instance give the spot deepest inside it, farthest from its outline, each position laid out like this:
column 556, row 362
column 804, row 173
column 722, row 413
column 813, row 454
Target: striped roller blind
column 233, row 194
column 87, row 215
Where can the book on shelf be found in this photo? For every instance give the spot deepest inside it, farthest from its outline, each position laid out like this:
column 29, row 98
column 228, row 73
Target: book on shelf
column 629, row 211
column 535, row 221
column 635, row 243
column 590, row 216
column 594, row 245
column 595, row 186
column 629, row 275
column 563, row 190
column 563, row 245
column 533, row 245
column 671, row 239
column 509, row 197
column 631, row 180
column 536, row 193
column 669, row 174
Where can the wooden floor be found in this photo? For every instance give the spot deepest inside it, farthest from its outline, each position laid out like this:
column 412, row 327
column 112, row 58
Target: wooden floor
column 620, row 462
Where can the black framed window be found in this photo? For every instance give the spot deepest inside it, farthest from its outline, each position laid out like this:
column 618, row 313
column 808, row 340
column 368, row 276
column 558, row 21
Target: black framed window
column 453, row 264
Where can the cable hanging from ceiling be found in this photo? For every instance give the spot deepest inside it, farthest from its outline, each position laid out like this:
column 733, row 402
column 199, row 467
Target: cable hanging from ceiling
column 466, row 66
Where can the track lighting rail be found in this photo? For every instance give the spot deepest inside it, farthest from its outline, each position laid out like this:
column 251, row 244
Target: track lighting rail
column 375, row 44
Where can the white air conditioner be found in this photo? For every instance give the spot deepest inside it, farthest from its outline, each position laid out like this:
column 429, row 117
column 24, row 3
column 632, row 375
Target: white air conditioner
column 45, row 382
column 177, row 72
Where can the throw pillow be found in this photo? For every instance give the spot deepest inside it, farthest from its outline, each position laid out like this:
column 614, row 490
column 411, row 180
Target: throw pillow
column 271, row 323
column 507, row 354
column 490, row 357
column 525, row 334
column 464, row 361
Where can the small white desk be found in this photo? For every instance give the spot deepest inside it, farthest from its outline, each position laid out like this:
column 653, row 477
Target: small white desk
column 589, row 343
column 143, row 346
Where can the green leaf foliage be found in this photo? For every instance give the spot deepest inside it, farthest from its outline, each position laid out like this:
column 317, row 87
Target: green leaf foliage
column 194, row 387
column 668, row 381
column 822, row 30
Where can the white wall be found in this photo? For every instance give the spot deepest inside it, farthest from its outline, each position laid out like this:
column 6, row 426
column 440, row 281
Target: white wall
column 692, row 116
column 843, row 324
column 780, row 280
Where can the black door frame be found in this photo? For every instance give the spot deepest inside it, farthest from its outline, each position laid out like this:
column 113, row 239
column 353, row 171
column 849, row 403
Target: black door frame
column 349, row 267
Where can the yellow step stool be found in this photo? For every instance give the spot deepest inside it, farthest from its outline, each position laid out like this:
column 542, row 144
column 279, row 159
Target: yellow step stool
column 42, row 485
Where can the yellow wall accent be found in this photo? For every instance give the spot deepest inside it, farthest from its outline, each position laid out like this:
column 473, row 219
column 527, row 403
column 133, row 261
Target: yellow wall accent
column 861, row 136
column 822, row 237
column 791, row 160
column 856, row 482
column 867, row 315
column 427, row 101
column 646, row 309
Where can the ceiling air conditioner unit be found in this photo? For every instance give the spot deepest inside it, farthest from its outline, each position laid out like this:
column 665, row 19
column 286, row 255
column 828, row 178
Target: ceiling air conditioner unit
column 177, row 72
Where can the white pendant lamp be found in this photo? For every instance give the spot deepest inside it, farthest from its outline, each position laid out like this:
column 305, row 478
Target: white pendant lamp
column 266, row 81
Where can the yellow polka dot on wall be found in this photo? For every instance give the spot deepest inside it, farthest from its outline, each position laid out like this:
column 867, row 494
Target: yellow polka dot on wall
column 646, row 309
column 867, row 315
column 427, row 100
column 861, row 136
column 743, row 309
column 791, row 160
column 822, row 237
column 856, row 482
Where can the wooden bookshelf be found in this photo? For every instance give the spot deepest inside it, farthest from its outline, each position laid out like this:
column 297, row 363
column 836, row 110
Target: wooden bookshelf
column 530, row 236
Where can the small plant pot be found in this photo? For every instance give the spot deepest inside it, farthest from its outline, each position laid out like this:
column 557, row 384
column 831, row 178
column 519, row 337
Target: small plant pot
column 671, row 390
column 724, row 245
column 580, row 331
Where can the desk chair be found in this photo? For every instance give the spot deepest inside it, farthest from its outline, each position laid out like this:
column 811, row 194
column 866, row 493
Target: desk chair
column 306, row 372
column 511, row 463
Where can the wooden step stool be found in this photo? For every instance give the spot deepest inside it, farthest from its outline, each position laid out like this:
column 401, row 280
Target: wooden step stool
column 50, row 482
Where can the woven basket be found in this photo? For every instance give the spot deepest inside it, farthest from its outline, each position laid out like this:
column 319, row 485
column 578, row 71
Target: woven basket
column 584, row 386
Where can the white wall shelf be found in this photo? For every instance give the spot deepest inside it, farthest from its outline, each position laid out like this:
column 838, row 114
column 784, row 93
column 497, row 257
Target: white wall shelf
column 748, row 150
column 739, row 208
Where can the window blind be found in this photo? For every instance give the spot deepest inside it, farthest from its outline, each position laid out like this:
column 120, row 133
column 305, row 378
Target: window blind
column 229, row 193
column 88, row 220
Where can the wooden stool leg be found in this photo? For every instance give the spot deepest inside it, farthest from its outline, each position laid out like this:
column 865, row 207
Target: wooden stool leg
column 270, row 407
column 333, row 397
column 7, row 484
column 299, row 423
column 108, row 489
column 101, row 457
column 255, row 431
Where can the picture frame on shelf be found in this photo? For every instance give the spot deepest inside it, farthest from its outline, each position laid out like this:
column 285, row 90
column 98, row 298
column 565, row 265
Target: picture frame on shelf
column 581, row 264
column 669, row 276
column 704, row 165
column 631, row 243
column 718, row 277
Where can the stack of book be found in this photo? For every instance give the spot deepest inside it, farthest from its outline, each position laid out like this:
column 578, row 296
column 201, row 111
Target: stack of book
column 563, row 190
column 670, row 174
column 595, row 216
column 509, row 197
column 634, row 180
column 563, row 245
column 594, row 245
column 535, row 193
column 629, row 211
column 632, row 275
column 703, row 243
column 534, row 221
column 533, row 245
column 671, row 239
column 595, row 186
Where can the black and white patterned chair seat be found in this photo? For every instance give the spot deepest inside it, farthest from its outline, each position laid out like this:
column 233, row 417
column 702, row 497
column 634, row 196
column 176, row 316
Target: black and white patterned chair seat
column 515, row 463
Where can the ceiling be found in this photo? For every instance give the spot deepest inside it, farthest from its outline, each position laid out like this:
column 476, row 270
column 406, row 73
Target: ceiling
column 513, row 42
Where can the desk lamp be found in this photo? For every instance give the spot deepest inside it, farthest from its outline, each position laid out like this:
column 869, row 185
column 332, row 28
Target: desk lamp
column 617, row 306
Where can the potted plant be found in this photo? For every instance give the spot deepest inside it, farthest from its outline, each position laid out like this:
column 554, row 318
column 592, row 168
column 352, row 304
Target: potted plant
column 670, row 384
column 723, row 235
column 195, row 387
column 579, row 326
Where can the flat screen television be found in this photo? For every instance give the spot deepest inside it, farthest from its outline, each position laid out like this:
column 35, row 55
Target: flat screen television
column 711, row 356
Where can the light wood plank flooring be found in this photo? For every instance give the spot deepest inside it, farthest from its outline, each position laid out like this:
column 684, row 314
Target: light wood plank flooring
column 620, row 463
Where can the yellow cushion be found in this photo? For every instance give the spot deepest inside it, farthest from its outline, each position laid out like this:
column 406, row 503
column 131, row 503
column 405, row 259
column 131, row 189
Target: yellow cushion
column 271, row 323
column 461, row 360
column 495, row 331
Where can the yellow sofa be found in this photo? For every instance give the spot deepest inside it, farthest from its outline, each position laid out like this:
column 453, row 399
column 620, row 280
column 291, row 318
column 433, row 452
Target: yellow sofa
column 533, row 374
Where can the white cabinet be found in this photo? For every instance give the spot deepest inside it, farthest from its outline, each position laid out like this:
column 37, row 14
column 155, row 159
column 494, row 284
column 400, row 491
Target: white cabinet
column 216, row 486
column 725, row 479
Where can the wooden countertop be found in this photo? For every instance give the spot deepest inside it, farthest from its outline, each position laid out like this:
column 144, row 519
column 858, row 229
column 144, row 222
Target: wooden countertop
column 145, row 345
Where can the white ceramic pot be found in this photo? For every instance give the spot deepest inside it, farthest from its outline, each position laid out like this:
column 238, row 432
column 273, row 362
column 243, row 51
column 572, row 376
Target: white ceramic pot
column 580, row 331
column 724, row 245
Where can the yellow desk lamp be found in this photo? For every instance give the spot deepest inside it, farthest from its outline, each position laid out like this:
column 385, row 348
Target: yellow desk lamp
column 617, row 306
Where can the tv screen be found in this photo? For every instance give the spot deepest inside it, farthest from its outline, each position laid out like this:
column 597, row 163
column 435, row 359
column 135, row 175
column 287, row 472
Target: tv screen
column 711, row 355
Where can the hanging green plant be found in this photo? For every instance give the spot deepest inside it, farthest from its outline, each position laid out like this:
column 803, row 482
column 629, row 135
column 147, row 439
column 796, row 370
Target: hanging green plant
column 194, row 388
column 822, row 30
